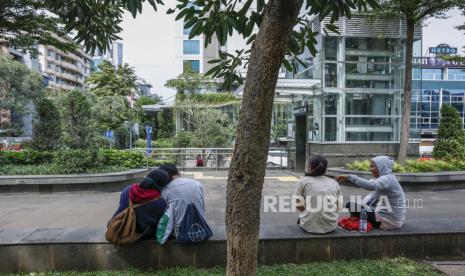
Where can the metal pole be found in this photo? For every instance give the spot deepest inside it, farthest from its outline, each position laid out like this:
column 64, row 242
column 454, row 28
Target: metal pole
column 217, row 159
column 130, row 135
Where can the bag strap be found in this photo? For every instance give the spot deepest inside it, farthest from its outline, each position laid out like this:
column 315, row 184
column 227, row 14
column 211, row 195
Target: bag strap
column 132, row 206
column 179, row 195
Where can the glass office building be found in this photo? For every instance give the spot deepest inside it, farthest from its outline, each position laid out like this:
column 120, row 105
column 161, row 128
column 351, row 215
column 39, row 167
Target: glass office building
column 436, row 82
column 359, row 97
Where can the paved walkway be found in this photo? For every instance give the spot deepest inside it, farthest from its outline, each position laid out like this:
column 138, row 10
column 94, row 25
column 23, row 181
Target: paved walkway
column 78, row 210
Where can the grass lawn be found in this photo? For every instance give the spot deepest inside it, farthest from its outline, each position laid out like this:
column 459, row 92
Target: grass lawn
column 397, row 267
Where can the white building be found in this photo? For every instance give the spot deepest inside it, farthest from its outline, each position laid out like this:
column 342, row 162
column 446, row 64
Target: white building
column 65, row 70
column 191, row 55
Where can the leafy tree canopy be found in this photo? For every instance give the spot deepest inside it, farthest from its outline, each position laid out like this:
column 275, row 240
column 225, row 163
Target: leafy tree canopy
column 191, row 83
column 47, row 126
column 451, row 136
column 19, row 85
column 95, row 23
column 207, row 99
column 111, row 81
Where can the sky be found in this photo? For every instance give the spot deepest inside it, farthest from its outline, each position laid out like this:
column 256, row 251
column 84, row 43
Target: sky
column 149, row 43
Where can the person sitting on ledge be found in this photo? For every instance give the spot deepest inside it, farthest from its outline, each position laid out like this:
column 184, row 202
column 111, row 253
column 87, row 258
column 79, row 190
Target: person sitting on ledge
column 385, row 205
column 148, row 191
column 317, row 197
column 179, row 193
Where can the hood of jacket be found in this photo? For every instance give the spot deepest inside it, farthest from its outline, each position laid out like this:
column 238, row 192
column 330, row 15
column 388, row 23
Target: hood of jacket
column 384, row 164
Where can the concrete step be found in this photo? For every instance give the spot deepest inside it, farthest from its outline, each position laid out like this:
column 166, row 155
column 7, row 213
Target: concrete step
column 85, row 249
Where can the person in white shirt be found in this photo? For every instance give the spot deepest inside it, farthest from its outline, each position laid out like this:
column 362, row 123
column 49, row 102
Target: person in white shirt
column 318, row 198
column 179, row 193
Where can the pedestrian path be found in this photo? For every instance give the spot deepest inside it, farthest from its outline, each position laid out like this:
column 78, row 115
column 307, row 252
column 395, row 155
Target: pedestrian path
column 93, row 209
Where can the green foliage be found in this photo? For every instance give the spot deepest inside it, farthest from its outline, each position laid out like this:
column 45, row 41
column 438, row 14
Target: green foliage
column 191, row 83
column 78, row 131
column 415, row 166
column 165, row 124
column 111, row 81
column 24, row 24
column 110, row 112
column 26, row 157
column 183, row 139
column 451, row 136
column 95, row 24
column 279, row 130
column 50, row 169
column 158, row 143
column 213, row 129
column 130, row 159
column 71, row 161
column 18, row 86
column 146, row 119
column 47, row 128
column 163, row 143
column 207, row 99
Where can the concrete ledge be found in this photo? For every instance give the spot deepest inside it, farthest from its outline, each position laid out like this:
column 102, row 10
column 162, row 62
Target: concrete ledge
column 450, row 180
column 29, row 250
column 108, row 182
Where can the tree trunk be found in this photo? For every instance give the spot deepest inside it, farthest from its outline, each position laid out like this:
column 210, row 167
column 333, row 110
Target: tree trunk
column 247, row 170
column 405, row 128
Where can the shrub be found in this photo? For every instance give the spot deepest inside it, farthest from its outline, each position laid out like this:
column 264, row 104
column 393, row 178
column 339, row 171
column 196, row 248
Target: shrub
column 127, row 159
column 163, row 143
column 26, row 157
column 78, row 160
column 49, row 169
column 130, row 159
column 47, row 127
column 183, row 139
column 363, row 165
column 415, row 166
column 451, row 137
column 79, row 133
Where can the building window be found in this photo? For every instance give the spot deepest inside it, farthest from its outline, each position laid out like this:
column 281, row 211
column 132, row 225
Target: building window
column 186, row 31
column 330, row 75
column 330, row 47
column 191, row 66
column 191, row 47
column 432, row 74
column 456, row 74
column 416, row 73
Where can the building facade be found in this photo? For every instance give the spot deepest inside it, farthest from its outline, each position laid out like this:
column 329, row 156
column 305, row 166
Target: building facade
column 191, row 54
column 65, row 70
column 436, row 82
column 355, row 109
column 114, row 55
column 144, row 89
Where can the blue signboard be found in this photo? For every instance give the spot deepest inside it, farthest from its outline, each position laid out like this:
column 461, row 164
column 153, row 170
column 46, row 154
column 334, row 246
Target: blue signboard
column 109, row 134
column 148, row 130
column 443, row 49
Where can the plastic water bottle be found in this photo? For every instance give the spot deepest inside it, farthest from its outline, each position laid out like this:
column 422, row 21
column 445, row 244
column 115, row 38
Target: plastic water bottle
column 363, row 221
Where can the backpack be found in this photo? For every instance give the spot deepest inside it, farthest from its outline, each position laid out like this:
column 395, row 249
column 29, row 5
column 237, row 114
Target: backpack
column 193, row 228
column 121, row 230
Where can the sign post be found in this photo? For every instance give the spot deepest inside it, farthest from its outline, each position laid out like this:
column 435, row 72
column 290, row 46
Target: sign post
column 148, row 130
column 109, row 136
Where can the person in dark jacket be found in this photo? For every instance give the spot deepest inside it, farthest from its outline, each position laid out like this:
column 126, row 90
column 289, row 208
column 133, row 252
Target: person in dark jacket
column 148, row 190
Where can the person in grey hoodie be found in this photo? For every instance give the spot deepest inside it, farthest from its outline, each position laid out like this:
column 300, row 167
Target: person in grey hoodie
column 386, row 202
